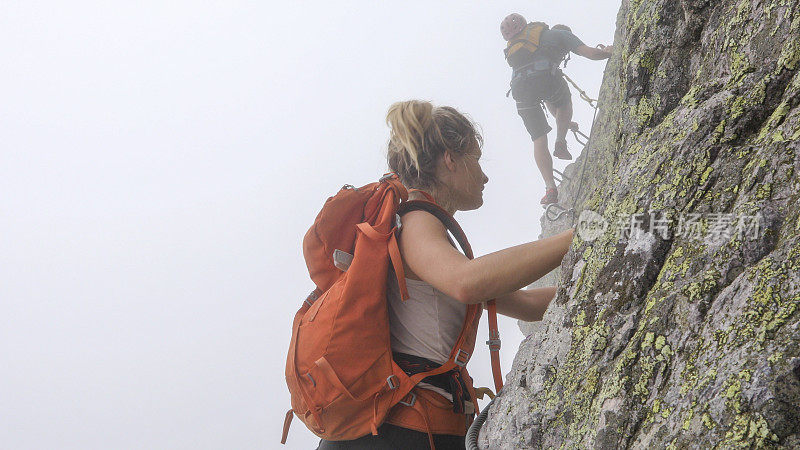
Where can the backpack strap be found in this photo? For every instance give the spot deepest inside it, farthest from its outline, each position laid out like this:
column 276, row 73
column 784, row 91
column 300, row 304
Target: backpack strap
column 456, row 357
column 286, row 423
column 529, row 39
column 424, row 194
column 443, row 216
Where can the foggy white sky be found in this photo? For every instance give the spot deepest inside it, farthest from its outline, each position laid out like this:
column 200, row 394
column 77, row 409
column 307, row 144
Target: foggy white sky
column 160, row 163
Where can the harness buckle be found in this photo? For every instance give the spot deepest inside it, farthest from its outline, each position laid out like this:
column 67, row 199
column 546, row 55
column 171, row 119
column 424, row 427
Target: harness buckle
column 461, row 358
column 411, row 401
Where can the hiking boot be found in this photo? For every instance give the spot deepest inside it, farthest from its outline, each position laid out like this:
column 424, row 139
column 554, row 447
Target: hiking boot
column 560, row 150
column 550, row 196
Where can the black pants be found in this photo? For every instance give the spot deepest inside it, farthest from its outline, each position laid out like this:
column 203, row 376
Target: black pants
column 530, row 91
column 392, row 437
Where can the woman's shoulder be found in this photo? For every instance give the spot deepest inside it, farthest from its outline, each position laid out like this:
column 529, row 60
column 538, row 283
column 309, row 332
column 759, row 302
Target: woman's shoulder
column 421, row 222
column 420, row 229
column 420, row 233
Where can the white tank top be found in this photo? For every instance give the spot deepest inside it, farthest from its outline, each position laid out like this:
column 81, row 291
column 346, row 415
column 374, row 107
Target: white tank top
column 427, row 324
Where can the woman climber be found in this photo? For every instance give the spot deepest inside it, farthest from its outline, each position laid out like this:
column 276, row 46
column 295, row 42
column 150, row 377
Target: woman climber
column 436, row 153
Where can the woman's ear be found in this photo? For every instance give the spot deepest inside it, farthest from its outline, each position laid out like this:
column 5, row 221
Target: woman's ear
column 449, row 160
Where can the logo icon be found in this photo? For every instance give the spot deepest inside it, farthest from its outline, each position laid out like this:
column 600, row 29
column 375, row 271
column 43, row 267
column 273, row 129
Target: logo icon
column 591, row 225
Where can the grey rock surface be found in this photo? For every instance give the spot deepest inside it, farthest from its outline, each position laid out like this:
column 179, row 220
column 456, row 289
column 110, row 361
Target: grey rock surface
column 679, row 325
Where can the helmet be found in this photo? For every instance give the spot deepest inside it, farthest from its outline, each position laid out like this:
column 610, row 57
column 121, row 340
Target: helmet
column 511, row 25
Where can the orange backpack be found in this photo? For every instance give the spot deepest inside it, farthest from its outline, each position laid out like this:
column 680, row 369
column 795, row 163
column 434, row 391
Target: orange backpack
column 340, row 372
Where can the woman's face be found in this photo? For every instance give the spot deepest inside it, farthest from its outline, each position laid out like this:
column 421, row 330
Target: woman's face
column 469, row 180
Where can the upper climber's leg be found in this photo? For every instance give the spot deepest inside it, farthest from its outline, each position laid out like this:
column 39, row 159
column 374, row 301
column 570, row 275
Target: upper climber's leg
column 545, row 164
column 543, row 160
column 563, row 119
column 530, row 109
column 560, row 105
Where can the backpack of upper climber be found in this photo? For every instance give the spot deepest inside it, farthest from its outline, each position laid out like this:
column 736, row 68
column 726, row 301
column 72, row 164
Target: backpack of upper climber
column 339, row 369
column 523, row 38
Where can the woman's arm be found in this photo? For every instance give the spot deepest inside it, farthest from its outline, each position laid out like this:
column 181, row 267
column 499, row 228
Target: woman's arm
column 526, row 304
column 427, row 253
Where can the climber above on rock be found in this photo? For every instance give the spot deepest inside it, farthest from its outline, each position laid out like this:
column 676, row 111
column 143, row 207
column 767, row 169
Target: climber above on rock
column 534, row 52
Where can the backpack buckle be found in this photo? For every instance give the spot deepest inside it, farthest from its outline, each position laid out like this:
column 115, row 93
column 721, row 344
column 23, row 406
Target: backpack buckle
column 461, row 358
column 342, row 260
column 411, row 401
column 312, row 297
column 494, row 340
column 391, row 380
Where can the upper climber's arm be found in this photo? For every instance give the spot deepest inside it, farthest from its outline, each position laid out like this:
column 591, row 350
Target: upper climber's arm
column 592, row 53
column 569, row 41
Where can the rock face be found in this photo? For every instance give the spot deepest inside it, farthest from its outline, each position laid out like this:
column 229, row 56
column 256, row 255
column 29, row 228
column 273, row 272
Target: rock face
column 678, row 324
